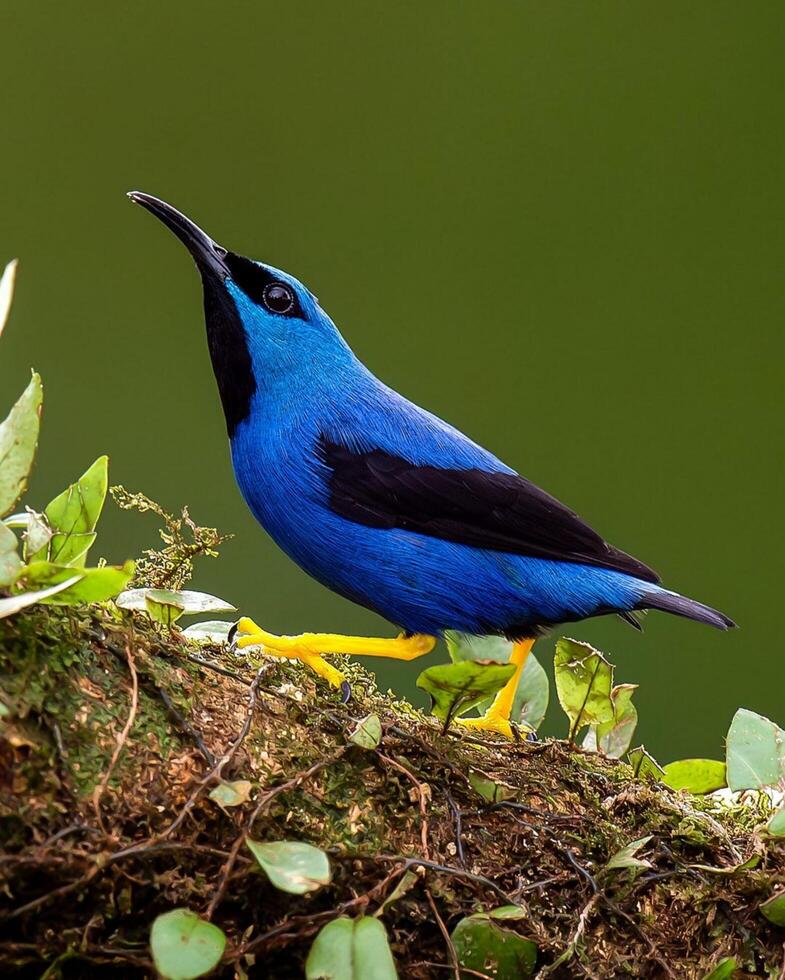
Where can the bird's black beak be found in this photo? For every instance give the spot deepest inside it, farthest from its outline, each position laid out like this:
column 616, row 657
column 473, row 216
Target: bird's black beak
column 207, row 254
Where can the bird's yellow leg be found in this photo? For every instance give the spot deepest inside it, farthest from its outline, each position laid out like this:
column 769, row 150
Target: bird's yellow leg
column 308, row 647
column 497, row 717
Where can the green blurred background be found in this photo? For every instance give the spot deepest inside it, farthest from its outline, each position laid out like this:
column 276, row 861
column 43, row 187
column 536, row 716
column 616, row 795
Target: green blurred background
column 560, row 226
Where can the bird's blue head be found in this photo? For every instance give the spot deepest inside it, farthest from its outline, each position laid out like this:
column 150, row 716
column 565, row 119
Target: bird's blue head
column 265, row 330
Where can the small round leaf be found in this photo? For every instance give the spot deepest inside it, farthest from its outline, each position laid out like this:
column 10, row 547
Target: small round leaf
column 351, row 949
column 291, row 865
column 774, row 908
column 184, row 946
column 234, row 793
column 368, row 732
column 487, row 948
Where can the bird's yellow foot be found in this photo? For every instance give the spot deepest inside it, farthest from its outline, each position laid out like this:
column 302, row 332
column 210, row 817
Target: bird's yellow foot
column 309, row 647
column 488, row 723
column 497, row 717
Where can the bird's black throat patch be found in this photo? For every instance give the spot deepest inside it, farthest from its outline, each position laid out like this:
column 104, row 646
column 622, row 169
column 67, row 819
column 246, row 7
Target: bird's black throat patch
column 228, row 344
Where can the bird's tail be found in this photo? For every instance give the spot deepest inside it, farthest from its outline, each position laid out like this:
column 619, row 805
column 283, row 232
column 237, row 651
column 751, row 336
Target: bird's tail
column 679, row 605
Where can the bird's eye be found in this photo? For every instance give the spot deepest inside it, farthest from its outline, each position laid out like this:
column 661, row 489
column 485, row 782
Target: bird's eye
column 278, row 298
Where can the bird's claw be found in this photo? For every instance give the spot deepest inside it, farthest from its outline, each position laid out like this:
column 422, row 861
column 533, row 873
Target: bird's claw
column 245, row 633
column 499, row 726
column 488, row 723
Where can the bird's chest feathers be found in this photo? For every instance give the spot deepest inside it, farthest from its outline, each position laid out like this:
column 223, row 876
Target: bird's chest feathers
column 278, row 470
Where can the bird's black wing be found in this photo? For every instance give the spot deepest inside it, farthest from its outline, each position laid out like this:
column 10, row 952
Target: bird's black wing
column 493, row 510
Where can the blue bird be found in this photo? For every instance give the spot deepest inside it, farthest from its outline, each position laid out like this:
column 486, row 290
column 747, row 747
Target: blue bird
column 383, row 502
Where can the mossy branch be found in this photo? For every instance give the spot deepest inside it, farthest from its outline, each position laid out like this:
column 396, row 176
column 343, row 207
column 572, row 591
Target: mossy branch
column 107, row 821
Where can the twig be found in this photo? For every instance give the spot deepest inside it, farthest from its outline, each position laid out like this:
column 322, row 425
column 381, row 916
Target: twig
column 211, row 665
column 312, row 921
column 185, row 726
column 156, row 847
column 59, row 742
column 218, row 764
column 575, row 939
column 428, row 750
column 457, row 814
column 73, row 828
column 246, row 726
column 532, row 812
column 55, row 893
column 136, row 850
column 535, row 885
column 639, row 932
column 414, row 862
column 421, row 796
column 452, row 956
column 122, row 739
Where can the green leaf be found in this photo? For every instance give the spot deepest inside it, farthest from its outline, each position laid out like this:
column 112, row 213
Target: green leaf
column 37, row 535
column 184, row 946
column 455, row 688
column 466, row 646
column 774, row 908
column 407, row 882
column 697, row 776
column 89, row 584
column 625, row 858
column 754, row 752
column 97, row 585
column 291, row 865
column 347, row 949
column 10, row 562
column 7, row 291
column 532, row 696
column 13, row 604
column 18, row 441
column 163, row 608
column 211, row 631
column 747, row 865
column 16, row 520
column 189, row 602
column 644, row 766
column 584, row 680
column 613, row 738
column 509, row 912
column 228, row 794
column 724, row 970
column 776, row 824
column 490, row 791
column 533, row 691
column 368, row 732
column 491, row 950
column 37, row 532
column 73, row 515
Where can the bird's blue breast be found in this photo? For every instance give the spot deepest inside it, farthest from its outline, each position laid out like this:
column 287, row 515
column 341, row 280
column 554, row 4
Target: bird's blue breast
column 421, row 583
